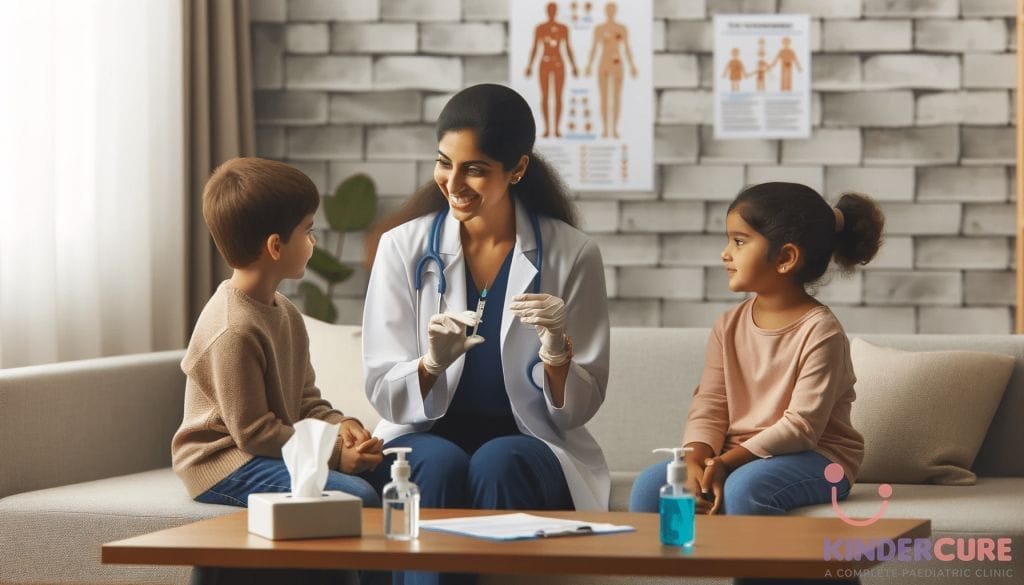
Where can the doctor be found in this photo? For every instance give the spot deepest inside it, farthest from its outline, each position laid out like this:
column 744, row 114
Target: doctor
column 485, row 332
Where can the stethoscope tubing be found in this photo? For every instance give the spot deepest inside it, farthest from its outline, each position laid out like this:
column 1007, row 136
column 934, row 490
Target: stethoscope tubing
column 432, row 254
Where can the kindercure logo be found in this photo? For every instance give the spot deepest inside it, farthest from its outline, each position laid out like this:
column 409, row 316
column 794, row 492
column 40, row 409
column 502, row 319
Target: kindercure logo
column 945, row 549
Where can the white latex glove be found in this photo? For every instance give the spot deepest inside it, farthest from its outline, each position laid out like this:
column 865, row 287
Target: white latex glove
column 547, row 314
column 446, row 340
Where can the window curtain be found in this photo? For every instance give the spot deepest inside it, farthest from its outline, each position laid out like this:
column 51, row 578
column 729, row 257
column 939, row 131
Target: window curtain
column 220, row 126
column 93, row 209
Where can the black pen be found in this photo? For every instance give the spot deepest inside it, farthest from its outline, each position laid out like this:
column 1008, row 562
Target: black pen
column 577, row 531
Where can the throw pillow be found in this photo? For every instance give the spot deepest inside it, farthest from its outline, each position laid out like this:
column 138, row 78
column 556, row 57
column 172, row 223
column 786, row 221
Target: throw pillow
column 924, row 414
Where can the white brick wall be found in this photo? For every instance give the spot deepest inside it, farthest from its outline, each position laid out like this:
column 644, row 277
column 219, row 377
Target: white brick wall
column 376, row 108
column 955, row 252
column 825, row 146
column 812, row 176
column 462, row 39
column 915, row 146
column 373, row 37
column 872, row 36
column 916, row 8
column 964, row 107
column 421, row 10
column 307, row 38
column 912, row 104
column 328, row 10
column 717, row 183
column 431, row 73
column 662, row 216
column 820, row 9
column 872, row 108
column 330, row 72
column 882, row 183
column 961, row 184
column 915, row 71
column 661, row 283
column 947, row 36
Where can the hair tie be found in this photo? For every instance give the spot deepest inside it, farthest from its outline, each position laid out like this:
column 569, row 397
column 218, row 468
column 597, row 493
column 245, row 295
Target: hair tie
column 840, row 220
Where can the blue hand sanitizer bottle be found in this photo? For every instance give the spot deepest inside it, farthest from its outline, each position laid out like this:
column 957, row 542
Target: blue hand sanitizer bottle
column 676, row 504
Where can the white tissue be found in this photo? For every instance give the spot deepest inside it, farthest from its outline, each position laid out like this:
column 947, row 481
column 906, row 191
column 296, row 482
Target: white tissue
column 306, row 455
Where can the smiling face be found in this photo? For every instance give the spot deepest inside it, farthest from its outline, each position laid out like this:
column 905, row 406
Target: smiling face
column 474, row 184
column 745, row 257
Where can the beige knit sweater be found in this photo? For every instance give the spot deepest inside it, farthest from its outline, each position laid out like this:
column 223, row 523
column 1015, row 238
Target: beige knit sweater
column 249, row 380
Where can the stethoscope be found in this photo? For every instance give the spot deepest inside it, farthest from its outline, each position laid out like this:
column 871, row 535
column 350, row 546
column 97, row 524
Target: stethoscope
column 432, row 255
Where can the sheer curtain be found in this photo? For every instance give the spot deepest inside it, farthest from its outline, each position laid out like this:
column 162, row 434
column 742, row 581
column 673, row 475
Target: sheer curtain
column 92, row 212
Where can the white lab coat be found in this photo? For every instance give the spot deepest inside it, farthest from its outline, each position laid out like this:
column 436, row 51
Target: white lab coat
column 395, row 337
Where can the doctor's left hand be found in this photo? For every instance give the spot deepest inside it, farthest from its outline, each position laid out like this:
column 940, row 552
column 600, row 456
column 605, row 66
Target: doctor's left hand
column 546, row 313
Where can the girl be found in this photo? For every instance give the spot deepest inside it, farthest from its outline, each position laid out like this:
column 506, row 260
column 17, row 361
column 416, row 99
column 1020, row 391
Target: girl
column 773, row 406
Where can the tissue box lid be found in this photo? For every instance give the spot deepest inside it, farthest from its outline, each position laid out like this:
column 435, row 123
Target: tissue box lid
column 279, row 516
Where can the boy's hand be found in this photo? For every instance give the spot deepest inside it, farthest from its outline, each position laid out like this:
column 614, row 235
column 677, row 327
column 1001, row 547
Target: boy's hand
column 362, row 456
column 353, row 432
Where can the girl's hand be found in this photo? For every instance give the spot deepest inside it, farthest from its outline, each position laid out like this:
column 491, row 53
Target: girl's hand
column 694, row 474
column 714, row 476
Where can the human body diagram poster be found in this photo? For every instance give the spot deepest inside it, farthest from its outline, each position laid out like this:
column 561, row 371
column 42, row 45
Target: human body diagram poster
column 762, row 71
column 586, row 70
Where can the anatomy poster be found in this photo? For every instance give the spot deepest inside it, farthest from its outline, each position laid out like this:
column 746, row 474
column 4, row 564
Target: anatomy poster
column 762, row 72
column 585, row 68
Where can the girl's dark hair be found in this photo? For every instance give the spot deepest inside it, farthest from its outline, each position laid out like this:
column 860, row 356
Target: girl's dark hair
column 505, row 131
column 790, row 213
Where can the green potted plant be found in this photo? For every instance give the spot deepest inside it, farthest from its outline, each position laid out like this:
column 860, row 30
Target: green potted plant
column 350, row 209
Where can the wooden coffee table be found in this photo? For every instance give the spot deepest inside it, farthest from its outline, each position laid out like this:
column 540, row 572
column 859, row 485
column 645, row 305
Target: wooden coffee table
column 734, row 546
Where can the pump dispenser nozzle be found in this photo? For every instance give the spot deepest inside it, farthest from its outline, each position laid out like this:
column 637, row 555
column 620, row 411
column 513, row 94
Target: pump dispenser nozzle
column 400, row 470
column 676, row 472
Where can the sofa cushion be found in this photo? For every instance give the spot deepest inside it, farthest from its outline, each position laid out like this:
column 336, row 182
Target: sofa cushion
column 924, row 414
column 54, row 535
column 991, row 507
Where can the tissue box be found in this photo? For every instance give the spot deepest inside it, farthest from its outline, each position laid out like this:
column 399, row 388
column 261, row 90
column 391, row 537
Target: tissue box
column 280, row 516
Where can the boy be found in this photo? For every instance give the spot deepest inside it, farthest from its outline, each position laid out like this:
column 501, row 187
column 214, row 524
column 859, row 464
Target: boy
column 249, row 374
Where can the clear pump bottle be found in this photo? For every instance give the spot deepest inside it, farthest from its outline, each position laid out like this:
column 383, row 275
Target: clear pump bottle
column 401, row 499
column 676, row 505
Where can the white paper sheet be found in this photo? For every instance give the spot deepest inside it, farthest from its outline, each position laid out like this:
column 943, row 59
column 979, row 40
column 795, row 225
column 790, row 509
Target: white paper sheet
column 519, row 526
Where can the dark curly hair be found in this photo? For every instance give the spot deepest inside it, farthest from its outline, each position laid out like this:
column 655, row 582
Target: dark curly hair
column 791, row 213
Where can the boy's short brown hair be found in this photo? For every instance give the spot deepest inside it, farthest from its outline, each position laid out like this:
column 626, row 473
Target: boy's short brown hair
column 249, row 199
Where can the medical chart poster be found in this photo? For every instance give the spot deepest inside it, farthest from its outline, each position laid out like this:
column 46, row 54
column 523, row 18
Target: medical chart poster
column 762, row 73
column 586, row 70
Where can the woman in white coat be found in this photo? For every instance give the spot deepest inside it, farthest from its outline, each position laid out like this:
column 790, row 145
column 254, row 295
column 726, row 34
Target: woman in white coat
column 492, row 396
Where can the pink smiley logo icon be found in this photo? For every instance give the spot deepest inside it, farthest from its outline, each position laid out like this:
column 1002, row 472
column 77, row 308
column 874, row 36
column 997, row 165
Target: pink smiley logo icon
column 834, row 474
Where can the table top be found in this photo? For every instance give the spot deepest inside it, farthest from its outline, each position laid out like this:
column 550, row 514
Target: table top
column 738, row 546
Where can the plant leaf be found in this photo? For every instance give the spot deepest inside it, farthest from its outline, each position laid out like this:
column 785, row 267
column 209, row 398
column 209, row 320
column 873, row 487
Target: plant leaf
column 317, row 304
column 353, row 204
column 327, row 266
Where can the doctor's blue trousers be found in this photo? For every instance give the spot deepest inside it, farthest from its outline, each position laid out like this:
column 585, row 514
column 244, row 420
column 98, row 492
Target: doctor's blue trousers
column 514, row 472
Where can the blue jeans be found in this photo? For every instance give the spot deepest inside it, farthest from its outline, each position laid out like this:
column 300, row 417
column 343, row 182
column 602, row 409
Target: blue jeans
column 763, row 487
column 267, row 474
column 514, row 472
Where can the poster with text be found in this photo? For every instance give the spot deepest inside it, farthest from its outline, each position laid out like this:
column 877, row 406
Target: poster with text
column 762, row 72
column 586, row 70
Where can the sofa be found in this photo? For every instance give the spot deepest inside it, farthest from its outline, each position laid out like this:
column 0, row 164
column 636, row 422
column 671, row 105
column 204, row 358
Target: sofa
column 84, row 454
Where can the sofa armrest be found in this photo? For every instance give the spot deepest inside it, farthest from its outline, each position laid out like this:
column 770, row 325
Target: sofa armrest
column 78, row 421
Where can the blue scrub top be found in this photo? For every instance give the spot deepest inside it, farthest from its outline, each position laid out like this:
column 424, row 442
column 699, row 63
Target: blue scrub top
column 480, row 410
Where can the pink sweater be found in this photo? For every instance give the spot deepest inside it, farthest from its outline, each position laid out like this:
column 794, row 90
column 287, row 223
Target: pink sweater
column 777, row 391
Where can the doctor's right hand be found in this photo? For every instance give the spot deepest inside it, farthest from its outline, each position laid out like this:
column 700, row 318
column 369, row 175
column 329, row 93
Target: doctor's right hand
column 446, row 340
